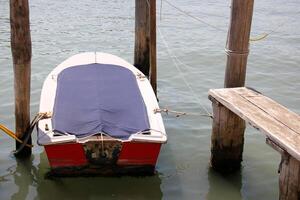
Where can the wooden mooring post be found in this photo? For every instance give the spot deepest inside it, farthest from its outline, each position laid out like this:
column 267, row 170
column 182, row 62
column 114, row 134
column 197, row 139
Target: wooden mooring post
column 152, row 30
column 145, row 39
column 228, row 129
column 21, row 53
column 142, row 37
column 237, row 46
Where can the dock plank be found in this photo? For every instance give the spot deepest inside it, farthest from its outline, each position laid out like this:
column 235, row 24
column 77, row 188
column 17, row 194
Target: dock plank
column 278, row 123
column 279, row 112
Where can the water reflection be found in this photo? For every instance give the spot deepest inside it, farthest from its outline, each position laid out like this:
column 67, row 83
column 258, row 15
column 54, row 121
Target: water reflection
column 106, row 188
column 28, row 177
column 229, row 186
column 24, row 177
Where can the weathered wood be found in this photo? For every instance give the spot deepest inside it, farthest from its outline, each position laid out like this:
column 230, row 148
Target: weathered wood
column 227, row 139
column 289, row 178
column 142, row 37
column 275, row 146
column 280, row 125
column 145, row 39
column 153, row 72
column 21, row 53
column 249, row 105
column 279, row 112
column 237, row 46
column 237, row 52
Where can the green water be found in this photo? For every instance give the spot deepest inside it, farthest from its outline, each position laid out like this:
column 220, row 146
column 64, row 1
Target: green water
column 63, row 28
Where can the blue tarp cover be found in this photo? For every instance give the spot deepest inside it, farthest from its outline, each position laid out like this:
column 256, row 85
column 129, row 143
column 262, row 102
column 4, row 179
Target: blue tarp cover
column 97, row 98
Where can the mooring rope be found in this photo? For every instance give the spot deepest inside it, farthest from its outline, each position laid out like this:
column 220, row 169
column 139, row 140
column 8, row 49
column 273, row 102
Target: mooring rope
column 102, row 145
column 194, row 17
column 179, row 113
column 12, row 134
column 265, row 35
column 160, row 11
column 30, row 129
column 27, row 133
column 252, row 39
column 207, row 113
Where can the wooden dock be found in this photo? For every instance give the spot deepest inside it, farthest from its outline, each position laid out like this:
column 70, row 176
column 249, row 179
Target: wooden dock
column 280, row 125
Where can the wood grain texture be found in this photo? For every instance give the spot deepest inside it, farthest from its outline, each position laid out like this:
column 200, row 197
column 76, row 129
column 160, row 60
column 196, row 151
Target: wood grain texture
column 238, row 42
column 278, row 123
column 142, row 37
column 228, row 130
column 289, row 178
column 21, row 53
column 281, row 126
column 153, row 64
column 227, row 139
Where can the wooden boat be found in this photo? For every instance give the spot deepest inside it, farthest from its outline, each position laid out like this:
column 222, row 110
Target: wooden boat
column 103, row 118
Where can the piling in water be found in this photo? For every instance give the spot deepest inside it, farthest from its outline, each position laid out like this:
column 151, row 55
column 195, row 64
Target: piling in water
column 142, row 37
column 21, row 53
column 153, row 72
column 228, row 129
column 145, row 39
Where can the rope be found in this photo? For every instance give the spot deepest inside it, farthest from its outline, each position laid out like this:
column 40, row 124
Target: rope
column 196, row 18
column 151, row 129
column 30, row 129
column 181, row 73
column 12, row 134
column 27, row 133
column 236, row 53
column 160, row 11
column 252, row 39
column 263, row 36
column 179, row 114
column 102, row 145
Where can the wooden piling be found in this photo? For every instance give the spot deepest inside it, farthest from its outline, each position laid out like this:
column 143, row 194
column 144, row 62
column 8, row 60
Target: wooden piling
column 228, row 129
column 237, row 47
column 227, row 139
column 289, row 173
column 153, row 73
column 145, row 39
column 289, row 178
column 142, row 37
column 21, row 53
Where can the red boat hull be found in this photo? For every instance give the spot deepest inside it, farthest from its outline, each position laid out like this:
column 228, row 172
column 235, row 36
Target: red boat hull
column 64, row 158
